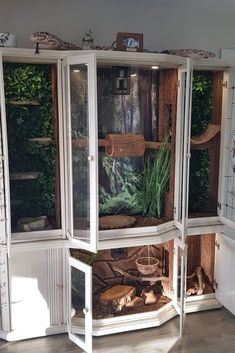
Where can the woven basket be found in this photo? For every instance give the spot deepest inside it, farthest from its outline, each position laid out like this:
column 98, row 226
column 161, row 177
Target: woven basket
column 147, row 265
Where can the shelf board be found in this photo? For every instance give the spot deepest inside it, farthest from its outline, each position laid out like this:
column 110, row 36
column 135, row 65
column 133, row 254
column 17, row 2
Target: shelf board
column 19, row 102
column 25, row 175
column 42, row 140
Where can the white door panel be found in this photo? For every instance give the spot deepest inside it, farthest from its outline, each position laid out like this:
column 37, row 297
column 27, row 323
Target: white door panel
column 224, row 271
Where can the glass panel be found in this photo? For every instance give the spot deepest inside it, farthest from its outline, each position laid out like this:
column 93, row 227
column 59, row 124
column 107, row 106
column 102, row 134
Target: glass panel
column 2, row 193
column 80, row 150
column 180, row 264
column 228, row 175
column 204, row 163
column 78, row 291
column 31, row 115
column 134, row 179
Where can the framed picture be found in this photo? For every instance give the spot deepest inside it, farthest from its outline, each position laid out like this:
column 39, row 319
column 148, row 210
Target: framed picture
column 129, row 41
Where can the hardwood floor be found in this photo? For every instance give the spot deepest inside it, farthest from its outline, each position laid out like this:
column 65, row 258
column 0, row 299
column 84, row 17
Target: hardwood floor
column 205, row 332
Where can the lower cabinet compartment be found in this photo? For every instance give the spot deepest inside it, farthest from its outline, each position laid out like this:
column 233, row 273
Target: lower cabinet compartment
column 133, row 288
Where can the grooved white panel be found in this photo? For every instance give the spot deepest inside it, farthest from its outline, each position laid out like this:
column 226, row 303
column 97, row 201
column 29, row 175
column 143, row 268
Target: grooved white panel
column 4, row 293
column 55, row 286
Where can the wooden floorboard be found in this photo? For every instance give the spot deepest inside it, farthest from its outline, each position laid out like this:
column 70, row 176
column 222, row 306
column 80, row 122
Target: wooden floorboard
column 205, row 332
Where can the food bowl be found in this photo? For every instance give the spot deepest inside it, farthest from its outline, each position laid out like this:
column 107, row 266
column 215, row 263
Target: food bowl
column 147, row 265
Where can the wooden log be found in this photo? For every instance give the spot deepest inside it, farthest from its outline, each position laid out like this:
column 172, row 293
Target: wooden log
column 122, row 145
column 115, row 298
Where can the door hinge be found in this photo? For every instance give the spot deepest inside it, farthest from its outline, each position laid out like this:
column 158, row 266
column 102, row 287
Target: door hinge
column 172, row 290
column 225, row 84
column 173, row 251
column 174, row 210
column 217, row 244
column 219, row 206
column 215, row 284
column 178, row 83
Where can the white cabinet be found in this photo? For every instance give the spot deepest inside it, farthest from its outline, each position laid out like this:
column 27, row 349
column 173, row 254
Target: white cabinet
column 109, row 177
column 224, row 263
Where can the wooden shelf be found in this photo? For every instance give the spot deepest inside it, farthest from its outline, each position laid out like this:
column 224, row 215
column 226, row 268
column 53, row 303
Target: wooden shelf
column 19, row 102
column 25, row 175
column 42, row 140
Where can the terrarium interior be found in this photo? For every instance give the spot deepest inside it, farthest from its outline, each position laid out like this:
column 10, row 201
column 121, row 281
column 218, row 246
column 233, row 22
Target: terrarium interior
column 136, row 139
column 31, row 114
column 126, row 280
column 140, row 279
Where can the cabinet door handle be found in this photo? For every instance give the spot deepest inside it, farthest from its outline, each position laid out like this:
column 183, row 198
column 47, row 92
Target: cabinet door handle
column 85, row 311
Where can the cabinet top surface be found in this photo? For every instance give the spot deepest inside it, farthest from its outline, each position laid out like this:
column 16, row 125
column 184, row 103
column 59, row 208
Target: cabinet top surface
column 110, row 57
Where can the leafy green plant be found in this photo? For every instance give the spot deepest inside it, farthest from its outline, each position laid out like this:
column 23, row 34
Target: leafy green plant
column 137, row 193
column 123, row 185
column 155, row 180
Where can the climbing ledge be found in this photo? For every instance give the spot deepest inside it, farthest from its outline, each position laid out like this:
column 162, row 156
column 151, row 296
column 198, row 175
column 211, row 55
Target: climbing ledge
column 207, row 135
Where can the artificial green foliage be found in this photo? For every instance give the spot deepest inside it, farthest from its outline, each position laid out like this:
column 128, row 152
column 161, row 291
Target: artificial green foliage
column 199, row 164
column 198, row 181
column 30, row 83
column 201, row 101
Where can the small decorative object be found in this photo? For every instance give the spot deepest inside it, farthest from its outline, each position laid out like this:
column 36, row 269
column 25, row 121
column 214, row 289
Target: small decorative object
column 45, row 40
column 129, row 41
column 87, row 41
column 191, row 53
column 120, row 80
column 7, row 40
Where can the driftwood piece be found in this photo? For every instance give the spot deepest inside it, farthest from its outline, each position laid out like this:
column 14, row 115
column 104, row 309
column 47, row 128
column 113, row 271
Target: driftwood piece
column 198, row 288
column 152, row 280
column 113, row 299
column 116, row 222
column 148, row 296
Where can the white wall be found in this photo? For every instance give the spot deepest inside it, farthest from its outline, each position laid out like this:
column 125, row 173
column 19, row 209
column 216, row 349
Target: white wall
column 207, row 24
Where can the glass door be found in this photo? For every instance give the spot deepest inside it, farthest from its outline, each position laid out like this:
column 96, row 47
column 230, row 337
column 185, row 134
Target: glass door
column 81, row 150
column 183, row 147
column 227, row 165
column 5, row 228
column 179, row 280
column 80, row 304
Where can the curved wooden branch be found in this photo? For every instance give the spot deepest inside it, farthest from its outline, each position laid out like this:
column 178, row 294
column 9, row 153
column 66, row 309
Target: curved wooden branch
column 141, row 279
column 201, row 285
